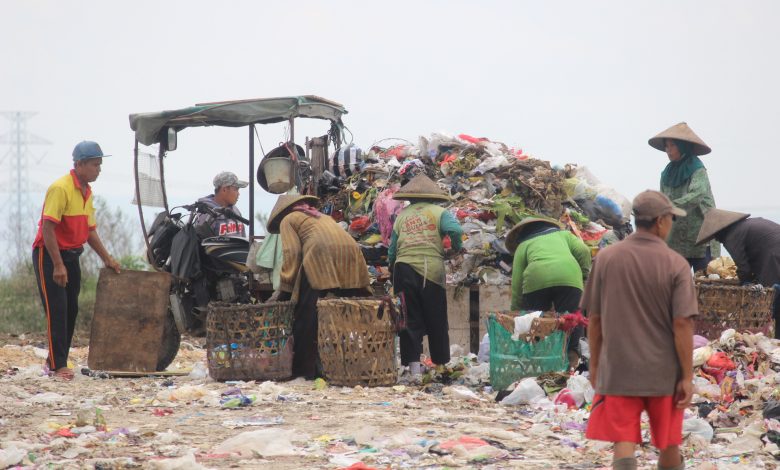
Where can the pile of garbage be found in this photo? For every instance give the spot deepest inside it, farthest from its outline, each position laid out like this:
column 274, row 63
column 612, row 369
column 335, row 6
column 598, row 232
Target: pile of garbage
column 493, row 187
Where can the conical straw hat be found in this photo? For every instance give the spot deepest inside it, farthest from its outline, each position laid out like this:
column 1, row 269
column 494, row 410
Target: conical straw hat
column 716, row 220
column 280, row 208
column 682, row 132
column 421, row 187
column 514, row 235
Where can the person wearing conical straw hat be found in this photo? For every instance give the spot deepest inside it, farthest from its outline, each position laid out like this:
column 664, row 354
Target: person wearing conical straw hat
column 548, row 271
column 754, row 245
column 685, row 182
column 416, row 258
column 318, row 257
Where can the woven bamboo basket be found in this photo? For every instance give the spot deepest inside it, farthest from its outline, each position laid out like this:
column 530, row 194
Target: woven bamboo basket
column 249, row 342
column 356, row 342
column 724, row 305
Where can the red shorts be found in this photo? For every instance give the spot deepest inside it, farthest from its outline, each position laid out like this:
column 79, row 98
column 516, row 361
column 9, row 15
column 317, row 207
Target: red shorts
column 617, row 419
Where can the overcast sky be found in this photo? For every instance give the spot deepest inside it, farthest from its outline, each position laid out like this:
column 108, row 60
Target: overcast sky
column 567, row 81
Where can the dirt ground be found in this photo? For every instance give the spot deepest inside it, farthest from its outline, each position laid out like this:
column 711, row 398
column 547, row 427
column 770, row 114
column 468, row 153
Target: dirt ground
column 178, row 422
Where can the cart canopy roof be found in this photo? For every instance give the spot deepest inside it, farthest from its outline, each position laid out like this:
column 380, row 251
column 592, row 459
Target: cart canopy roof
column 147, row 126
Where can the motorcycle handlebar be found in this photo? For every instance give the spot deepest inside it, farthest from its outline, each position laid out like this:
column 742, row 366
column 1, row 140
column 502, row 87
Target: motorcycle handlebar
column 215, row 212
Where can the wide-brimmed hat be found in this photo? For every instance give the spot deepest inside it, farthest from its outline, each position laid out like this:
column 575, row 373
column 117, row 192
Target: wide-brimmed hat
column 280, row 209
column 518, row 230
column 421, row 187
column 716, row 220
column 682, row 132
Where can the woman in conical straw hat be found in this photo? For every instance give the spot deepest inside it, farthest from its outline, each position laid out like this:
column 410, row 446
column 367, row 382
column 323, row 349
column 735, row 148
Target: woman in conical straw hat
column 318, row 257
column 548, row 270
column 685, row 182
column 416, row 258
column 754, row 243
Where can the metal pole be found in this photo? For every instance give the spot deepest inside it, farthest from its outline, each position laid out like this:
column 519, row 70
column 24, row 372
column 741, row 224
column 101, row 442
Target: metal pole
column 160, row 155
column 138, row 202
column 251, row 215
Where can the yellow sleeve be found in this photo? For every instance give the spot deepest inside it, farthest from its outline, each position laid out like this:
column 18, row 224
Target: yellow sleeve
column 292, row 255
column 54, row 204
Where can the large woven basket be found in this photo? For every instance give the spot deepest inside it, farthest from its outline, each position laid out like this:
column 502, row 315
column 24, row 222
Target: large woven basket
column 356, row 342
column 249, row 342
column 725, row 305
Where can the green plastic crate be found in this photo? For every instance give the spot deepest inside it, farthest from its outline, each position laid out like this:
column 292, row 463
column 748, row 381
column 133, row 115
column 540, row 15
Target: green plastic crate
column 511, row 360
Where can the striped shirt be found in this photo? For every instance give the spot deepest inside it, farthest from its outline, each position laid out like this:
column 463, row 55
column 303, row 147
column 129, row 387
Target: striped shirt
column 330, row 257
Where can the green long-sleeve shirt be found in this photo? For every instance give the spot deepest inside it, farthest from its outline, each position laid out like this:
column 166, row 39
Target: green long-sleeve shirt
column 550, row 260
column 696, row 199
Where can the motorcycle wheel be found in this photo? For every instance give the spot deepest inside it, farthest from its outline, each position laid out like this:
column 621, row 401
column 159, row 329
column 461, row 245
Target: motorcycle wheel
column 170, row 343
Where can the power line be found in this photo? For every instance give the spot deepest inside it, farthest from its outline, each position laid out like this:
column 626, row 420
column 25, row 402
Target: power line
column 18, row 203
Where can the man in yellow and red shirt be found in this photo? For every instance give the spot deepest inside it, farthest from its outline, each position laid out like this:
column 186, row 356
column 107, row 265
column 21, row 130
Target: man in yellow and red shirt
column 67, row 222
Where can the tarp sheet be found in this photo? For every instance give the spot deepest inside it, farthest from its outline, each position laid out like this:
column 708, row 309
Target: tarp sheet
column 147, row 126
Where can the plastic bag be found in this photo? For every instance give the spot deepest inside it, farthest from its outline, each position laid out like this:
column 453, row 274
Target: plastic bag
column 701, row 355
column 525, row 392
column 580, row 385
column 699, row 427
column 484, row 349
column 523, row 324
column 263, row 442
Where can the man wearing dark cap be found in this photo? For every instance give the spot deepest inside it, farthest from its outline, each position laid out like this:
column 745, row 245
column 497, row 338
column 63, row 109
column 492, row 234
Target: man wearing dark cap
column 67, row 222
column 226, row 186
column 753, row 243
column 641, row 302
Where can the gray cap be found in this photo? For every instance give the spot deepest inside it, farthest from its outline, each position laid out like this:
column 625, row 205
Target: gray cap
column 227, row 178
column 651, row 204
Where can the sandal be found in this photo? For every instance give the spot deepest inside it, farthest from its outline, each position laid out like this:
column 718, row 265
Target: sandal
column 64, row 373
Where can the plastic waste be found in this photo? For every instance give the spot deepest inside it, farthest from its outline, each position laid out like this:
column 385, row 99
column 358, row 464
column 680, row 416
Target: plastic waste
column 186, row 393
column 700, row 341
column 699, row 427
column 728, row 338
column 263, row 442
column 523, row 324
column 701, row 355
column 199, row 371
column 320, row 384
column 580, row 385
column 484, row 349
column 461, row 393
column 185, row 462
column 584, row 348
column 525, row 392
column 11, row 456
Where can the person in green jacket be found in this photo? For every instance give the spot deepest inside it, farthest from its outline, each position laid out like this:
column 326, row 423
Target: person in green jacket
column 548, row 270
column 416, row 259
column 685, row 182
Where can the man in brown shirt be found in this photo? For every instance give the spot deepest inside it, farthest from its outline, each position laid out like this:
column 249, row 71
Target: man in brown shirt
column 641, row 302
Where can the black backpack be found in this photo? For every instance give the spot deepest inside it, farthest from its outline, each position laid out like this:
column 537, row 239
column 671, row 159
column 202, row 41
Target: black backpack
column 185, row 254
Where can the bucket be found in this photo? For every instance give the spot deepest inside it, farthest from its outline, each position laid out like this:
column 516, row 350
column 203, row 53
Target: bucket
column 278, row 174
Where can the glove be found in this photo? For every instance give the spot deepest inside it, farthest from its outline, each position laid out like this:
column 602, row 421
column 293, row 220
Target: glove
column 756, row 288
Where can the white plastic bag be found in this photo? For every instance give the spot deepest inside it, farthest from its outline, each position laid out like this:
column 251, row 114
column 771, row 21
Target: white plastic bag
column 263, row 442
column 580, row 386
column 484, row 349
column 701, row 355
column 525, row 392
column 699, row 427
column 523, row 324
